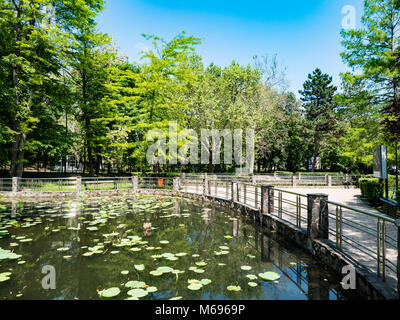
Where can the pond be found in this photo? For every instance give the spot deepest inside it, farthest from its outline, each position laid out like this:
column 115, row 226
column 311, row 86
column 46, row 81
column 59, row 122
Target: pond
column 150, row 247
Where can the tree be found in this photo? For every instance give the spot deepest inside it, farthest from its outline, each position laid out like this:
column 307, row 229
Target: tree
column 87, row 57
column 28, row 60
column 319, row 107
column 373, row 52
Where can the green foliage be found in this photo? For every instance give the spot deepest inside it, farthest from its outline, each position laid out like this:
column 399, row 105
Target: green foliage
column 371, row 189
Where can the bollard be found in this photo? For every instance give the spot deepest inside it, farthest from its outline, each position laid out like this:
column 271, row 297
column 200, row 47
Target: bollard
column 317, row 216
column 206, row 187
column 78, row 186
column 15, row 184
column 267, row 200
column 176, row 184
column 294, row 181
column 135, row 184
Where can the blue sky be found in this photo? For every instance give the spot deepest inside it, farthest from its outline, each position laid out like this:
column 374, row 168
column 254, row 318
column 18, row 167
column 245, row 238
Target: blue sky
column 304, row 34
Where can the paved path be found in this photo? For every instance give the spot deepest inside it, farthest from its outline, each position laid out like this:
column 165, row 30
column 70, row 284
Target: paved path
column 364, row 251
column 359, row 242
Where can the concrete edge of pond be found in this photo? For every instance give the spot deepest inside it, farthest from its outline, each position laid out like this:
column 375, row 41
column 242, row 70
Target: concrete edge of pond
column 368, row 285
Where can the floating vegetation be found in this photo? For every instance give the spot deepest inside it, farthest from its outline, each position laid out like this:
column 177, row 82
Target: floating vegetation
column 136, row 247
column 110, row 293
column 269, row 276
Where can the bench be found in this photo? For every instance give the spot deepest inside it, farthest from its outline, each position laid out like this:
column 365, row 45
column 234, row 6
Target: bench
column 391, row 206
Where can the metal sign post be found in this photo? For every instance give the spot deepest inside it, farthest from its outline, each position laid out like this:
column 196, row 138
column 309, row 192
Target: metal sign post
column 380, row 166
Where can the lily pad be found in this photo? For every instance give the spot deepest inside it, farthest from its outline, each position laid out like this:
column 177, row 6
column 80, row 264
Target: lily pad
column 195, row 286
column 234, row 288
column 269, row 276
column 151, row 289
column 135, row 284
column 245, row 268
column 137, row 293
column 253, row 284
column 110, row 293
column 139, row 267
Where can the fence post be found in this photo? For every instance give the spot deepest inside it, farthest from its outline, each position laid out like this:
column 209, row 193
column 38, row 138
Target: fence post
column 176, row 184
column 328, row 180
column 135, row 184
column 78, row 186
column 15, row 184
column 317, row 216
column 347, row 178
column 232, row 192
column 267, row 200
column 294, row 182
column 206, row 187
column 253, row 179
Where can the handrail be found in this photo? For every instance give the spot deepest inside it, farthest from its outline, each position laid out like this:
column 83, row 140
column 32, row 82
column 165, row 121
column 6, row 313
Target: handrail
column 371, row 214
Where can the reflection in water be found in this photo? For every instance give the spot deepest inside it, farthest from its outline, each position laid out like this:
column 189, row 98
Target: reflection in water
column 198, row 232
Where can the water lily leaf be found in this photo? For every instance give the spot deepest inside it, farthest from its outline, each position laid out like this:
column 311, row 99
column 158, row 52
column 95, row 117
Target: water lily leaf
column 124, row 272
column 135, row 284
column 228, row 237
column 165, row 269
column 234, row 288
column 245, row 268
column 138, row 293
column 201, row 264
column 181, row 254
column 176, row 298
column 110, row 293
column 195, row 286
column 269, row 276
column 251, row 277
column 139, row 267
column 151, row 289
column 205, row 282
column 164, row 242
column 253, row 284
column 156, row 273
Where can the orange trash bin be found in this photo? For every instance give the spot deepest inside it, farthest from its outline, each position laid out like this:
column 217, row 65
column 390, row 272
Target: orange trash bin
column 160, row 182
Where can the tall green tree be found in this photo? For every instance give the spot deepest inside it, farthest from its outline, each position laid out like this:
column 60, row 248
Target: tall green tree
column 320, row 111
column 373, row 52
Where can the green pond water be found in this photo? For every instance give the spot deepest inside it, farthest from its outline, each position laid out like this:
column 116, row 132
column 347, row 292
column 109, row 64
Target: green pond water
column 150, row 248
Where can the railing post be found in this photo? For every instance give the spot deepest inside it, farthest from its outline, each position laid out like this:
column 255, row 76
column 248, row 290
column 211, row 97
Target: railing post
column 176, row 184
column 317, row 216
column 233, row 192
column 328, row 180
column 267, row 200
column 253, row 179
column 78, row 186
column 206, row 187
column 347, row 178
column 15, row 184
column 135, row 184
column 294, row 182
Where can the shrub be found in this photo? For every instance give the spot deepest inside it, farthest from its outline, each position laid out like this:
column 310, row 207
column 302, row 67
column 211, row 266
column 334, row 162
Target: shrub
column 371, row 189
